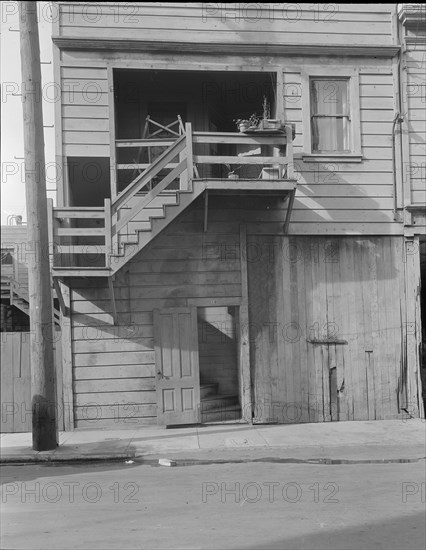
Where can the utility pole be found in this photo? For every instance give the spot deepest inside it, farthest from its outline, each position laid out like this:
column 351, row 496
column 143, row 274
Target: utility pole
column 43, row 390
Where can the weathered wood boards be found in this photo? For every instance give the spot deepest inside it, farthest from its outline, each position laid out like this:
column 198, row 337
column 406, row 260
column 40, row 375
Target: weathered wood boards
column 16, row 383
column 326, row 320
column 325, row 325
column 221, row 23
column 114, row 366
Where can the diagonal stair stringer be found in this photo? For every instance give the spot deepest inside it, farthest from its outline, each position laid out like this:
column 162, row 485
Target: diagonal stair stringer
column 157, row 223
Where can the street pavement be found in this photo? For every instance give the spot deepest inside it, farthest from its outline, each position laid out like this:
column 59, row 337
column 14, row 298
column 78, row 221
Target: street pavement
column 268, row 505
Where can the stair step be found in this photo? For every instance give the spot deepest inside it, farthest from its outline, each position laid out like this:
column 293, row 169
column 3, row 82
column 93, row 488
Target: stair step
column 20, row 303
column 208, row 389
column 218, row 402
column 158, row 220
column 145, row 213
column 222, row 415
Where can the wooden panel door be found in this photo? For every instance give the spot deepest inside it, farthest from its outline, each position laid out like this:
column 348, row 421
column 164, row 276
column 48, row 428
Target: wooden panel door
column 176, row 360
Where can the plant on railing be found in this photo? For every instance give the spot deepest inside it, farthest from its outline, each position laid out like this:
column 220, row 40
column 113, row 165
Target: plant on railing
column 255, row 122
column 232, row 173
column 244, row 124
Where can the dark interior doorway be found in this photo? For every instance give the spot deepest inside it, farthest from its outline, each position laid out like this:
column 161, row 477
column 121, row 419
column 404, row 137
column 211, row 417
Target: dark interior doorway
column 218, row 363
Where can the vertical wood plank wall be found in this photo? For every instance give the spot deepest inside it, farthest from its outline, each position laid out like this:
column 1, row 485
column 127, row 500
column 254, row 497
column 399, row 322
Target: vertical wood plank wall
column 347, row 290
column 15, row 381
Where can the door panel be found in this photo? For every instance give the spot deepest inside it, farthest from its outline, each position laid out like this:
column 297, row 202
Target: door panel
column 176, row 358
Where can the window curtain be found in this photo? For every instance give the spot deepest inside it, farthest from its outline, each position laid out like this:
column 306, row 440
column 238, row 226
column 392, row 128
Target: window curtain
column 330, row 115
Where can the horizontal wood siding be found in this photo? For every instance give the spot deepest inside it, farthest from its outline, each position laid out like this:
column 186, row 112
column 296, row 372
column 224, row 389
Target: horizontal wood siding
column 235, row 23
column 334, row 194
column 314, row 289
column 114, row 366
column 85, row 114
column 416, row 121
column 333, row 197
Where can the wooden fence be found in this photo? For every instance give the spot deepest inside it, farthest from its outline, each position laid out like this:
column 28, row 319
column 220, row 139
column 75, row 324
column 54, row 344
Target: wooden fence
column 16, row 382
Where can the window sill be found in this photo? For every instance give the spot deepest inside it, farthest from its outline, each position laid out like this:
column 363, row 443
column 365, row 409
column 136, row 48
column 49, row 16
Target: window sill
column 344, row 157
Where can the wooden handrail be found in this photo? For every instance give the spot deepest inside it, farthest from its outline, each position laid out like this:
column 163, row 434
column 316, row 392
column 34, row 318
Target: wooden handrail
column 143, row 142
column 153, row 170
column 235, row 159
column 145, row 201
column 108, row 232
column 229, row 138
column 79, row 212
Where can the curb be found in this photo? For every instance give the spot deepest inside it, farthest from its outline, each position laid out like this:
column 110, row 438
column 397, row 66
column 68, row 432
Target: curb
column 34, row 459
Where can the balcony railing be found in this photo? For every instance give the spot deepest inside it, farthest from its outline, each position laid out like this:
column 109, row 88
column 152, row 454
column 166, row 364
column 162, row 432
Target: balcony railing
column 193, row 159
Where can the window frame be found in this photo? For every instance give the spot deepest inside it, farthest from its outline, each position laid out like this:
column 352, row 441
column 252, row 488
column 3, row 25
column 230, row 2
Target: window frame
column 352, row 77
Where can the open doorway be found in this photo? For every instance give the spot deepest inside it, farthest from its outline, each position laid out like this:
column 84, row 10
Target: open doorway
column 218, row 364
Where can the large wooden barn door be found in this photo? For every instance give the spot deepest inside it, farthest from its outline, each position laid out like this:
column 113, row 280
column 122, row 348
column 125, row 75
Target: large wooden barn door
column 176, row 360
column 326, row 328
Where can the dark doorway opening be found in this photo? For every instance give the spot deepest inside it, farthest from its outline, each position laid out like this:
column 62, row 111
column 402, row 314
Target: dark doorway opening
column 218, row 363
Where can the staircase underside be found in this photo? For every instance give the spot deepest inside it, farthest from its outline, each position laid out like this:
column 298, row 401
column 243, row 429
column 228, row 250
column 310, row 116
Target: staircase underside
column 247, row 187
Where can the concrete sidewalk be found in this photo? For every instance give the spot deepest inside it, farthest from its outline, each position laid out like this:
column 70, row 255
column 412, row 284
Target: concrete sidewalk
column 360, row 441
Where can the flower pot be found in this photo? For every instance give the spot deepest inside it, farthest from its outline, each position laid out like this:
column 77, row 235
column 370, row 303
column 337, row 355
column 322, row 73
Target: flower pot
column 232, row 176
column 270, row 124
column 243, row 127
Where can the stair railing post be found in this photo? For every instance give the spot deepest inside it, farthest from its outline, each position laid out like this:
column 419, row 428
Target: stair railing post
column 289, row 151
column 15, row 263
column 187, row 184
column 51, row 248
column 108, row 232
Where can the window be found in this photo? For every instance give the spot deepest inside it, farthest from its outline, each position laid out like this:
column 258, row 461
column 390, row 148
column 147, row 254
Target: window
column 330, row 116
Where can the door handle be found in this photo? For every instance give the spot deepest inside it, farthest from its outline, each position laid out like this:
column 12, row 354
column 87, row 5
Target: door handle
column 159, row 375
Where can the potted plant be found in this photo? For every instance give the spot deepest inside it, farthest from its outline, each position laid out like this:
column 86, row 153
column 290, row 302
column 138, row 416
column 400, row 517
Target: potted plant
column 251, row 123
column 268, row 123
column 243, row 124
column 232, row 174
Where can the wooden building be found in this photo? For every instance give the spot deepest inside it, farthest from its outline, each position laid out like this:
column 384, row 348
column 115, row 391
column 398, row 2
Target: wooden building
column 264, row 275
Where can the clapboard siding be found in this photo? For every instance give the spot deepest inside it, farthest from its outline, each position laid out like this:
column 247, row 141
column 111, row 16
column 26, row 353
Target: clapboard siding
column 310, row 281
column 217, row 23
column 416, row 121
column 117, row 362
column 337, row 193
column 337, row 289
column 85, row 112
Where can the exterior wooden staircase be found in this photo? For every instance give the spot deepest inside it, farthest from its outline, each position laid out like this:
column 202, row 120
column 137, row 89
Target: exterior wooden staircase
column 218, row 408
column 98, row 242
column 18, row 296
